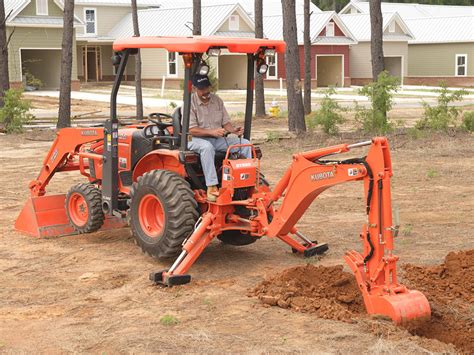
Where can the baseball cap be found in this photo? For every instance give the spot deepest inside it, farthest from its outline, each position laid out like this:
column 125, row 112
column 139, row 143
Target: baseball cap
column 201, row 81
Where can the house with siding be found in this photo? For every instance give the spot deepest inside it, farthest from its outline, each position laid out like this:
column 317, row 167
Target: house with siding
column 93, row 40
column 229, row 20
column 35, row 29
column 447, row 55
column 330, row 42
column 396, row 35
column 442, row 47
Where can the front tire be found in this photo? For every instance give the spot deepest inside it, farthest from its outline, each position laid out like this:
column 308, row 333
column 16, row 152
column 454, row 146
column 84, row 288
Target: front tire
column 84, row 208
column 163, row 213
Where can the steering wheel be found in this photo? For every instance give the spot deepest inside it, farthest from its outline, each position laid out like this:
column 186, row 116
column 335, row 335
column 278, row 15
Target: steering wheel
column 157, row 117
column 158, row 128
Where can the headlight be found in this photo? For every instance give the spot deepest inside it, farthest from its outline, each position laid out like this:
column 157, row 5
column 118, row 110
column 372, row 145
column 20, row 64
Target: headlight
column 203, row 69
column 262, row 68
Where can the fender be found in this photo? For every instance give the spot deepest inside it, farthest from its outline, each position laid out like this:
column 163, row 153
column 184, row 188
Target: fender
column 159, row 159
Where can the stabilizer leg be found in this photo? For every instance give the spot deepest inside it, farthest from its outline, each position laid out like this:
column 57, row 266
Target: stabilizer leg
column 192, row 248
column 306, row 246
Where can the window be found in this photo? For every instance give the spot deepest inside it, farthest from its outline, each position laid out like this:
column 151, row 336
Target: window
column 233, row 23
column 172, row 64
column 391, row 27
column 91, row 21
column 461, row 64
column 272, row 72
column 41, row 7
column 330, row 29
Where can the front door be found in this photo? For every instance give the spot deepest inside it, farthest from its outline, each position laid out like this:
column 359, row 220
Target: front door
column 91, row 63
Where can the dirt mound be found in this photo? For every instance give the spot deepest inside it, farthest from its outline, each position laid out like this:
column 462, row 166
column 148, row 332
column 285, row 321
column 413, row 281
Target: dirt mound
column 449, row 288
column 327, row 291
column 331, row 293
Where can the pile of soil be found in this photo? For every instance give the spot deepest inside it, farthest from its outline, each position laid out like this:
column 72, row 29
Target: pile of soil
column 331, row 293
column 449, row 288
column 327, row 291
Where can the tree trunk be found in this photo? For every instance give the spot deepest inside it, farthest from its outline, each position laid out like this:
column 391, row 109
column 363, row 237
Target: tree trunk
column 259, row 88
column 138, row 64
column 4, row 78
column 307, row 59
column 376, row 43
column 64, row 114
column 296, row 121
column 196, row 17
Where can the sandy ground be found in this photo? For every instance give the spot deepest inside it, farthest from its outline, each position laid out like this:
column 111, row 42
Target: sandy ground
column 91, row 293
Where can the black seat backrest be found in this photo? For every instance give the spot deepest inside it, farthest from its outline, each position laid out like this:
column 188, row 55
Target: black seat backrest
column 177, row 116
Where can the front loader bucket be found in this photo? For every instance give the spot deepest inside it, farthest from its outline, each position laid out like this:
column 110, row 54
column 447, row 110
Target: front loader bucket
column 45, row 216
column 400, row 307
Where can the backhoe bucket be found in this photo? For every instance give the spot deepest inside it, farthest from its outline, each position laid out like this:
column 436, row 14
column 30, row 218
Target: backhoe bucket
column 400, row 307
column 45, row 216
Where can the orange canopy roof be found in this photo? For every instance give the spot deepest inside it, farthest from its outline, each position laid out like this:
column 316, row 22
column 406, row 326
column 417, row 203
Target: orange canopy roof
column 199, row 44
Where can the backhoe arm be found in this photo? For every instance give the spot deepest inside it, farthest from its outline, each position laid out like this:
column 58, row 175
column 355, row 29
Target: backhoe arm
column 375, row 268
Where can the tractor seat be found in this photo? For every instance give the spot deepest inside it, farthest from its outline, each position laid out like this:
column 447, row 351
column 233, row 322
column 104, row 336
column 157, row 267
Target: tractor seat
column 177, row 116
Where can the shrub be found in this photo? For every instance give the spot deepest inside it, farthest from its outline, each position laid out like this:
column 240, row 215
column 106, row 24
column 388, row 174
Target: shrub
column 441, row 116
column 33, row 81
column 15, row 112
column 328, row 116
column 380, row 94
column 468, row 121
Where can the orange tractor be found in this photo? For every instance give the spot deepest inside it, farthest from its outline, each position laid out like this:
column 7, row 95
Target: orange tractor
column 144, row 175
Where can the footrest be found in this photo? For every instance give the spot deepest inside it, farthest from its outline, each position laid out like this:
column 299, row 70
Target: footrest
column 160, row 277
column 318, row 249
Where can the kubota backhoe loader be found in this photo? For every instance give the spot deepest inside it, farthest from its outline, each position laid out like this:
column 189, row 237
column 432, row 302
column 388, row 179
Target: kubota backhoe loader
column 144, row 173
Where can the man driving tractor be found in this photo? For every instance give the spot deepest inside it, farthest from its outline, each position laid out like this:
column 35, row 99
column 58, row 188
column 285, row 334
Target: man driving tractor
column 209, row 124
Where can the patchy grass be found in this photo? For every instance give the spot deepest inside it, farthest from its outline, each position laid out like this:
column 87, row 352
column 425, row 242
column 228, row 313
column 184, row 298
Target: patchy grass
column 168, row 320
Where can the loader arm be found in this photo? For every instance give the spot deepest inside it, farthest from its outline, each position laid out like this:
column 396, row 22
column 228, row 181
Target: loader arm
column 59, row 158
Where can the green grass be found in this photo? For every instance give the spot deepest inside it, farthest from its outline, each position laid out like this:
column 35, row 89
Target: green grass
column 273, row 136
column 168, row 320
column 432, row 173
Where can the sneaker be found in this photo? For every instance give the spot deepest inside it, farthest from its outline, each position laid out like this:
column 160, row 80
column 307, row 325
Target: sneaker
column 212, row 193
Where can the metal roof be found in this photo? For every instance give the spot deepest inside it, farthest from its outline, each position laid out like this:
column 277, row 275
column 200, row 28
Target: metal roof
column 140, row 3
column 37, row 20
column 273, row 27
column 13, row 6
column 442, row 29
column 270, row 7
column 175, row 21
column 333, row 40
column 359, row 25
column 414, row 10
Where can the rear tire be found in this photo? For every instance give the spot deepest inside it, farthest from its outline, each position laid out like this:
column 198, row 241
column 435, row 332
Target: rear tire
column 84, row 208
column 163, row 213
column 236, row 238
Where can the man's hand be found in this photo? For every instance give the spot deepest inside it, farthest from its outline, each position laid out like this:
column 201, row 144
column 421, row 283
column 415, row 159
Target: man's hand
column 218, row 132
column 239, row 131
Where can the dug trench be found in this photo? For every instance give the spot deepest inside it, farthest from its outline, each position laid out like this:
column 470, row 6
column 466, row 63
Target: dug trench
column 332, row 293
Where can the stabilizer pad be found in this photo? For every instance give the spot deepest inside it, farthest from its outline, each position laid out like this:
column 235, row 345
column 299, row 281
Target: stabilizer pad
column 318, row 249
column 160, row 277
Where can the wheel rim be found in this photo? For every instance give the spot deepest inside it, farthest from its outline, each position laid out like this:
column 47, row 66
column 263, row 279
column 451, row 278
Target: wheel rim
column 151, row 215
column 78, row 210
